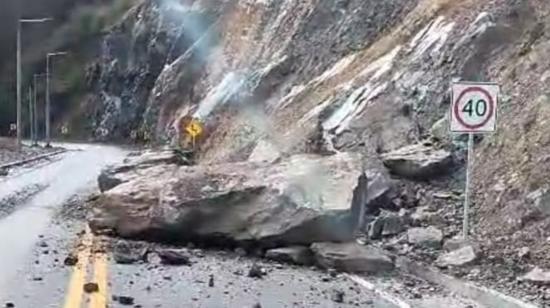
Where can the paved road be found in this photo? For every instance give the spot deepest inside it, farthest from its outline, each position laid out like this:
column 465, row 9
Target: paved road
column 37, row 235
column 20, row 232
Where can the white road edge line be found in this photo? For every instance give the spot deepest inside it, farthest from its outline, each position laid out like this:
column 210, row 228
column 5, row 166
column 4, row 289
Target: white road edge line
column 385, row 295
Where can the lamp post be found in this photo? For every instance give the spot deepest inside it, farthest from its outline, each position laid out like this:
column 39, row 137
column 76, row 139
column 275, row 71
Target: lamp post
column 20, row 22
column 48, row 101
column 34, row 125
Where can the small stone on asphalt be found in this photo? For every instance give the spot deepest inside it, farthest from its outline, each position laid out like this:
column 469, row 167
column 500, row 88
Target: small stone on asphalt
column 125, row 300
column 91, row 287
column 71, row 260
column 337, row 296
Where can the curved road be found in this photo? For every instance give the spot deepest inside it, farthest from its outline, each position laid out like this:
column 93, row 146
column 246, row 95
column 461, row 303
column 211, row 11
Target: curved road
column 35, row 239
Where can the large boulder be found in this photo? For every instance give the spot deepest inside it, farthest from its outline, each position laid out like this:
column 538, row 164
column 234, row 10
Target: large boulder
column 352, row 257
column 297, row 201
column 418, row 161
column 146, row 163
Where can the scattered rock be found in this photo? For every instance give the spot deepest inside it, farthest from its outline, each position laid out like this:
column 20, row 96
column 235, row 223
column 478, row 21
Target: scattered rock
column 300, row 255
column 124, row 253
column 71, row 260
column 10, row 305
column 393, row 224
column 257, row 305
column 256, row 271
column 375, row 228
column 124, row 300
column 174, row 257
column 537, row 276
column 429, row 237
column 211, row 281
column 418, row 162
column 43, row 244
column 455, row 243
column 91, row 287
column 337, row 296
column 461, row 257
column 352, row 257
column 524, row 253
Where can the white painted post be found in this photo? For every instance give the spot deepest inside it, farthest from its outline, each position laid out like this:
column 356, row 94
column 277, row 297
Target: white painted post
column 469, row 168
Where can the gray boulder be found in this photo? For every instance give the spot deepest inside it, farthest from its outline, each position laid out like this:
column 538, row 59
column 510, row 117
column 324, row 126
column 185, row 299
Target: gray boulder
column 461, row 257
column 300, row 255
column 429, row 237
column 352, row 257
column 297, row 201
column 418, row 162
column 455, row 243
column 537, row 276
column 146, row 163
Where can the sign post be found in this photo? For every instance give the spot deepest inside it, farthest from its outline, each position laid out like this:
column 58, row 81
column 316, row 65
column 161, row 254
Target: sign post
column 194, row 129
column 473, row 110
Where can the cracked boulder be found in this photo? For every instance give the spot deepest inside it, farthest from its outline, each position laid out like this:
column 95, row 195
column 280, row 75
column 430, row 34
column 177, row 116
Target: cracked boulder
column 146, row 163
column 297, row 201
column 418, row 162
column 352, row 258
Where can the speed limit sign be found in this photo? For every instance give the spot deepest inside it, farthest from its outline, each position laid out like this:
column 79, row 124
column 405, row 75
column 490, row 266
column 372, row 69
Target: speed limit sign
column 474, row 107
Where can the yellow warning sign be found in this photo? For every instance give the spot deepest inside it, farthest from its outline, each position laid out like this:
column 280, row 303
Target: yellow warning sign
column 194, row 128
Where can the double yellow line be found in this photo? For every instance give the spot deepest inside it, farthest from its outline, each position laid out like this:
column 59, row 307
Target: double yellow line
column 75, row 291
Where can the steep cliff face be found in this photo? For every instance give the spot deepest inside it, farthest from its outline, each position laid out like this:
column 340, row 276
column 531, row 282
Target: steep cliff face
column 267, row 77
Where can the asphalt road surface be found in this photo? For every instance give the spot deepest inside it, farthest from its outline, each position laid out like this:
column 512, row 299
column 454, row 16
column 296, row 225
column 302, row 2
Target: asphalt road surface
column 36, row 237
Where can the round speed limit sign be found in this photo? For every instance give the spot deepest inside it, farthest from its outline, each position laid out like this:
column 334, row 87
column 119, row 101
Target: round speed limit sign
column 474, row 107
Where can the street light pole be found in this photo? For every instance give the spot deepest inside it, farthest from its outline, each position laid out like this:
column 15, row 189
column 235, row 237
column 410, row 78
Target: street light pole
column 31, row 116
column 20, row 22
column 19, row 85
column 35, row 109
column 48, row 99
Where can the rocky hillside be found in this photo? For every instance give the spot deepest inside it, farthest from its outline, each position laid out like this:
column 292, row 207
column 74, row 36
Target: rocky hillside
column 268, row 79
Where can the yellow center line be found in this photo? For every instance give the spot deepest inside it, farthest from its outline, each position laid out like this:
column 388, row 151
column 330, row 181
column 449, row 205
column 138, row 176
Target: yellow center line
column 75, row 289
column 99, row 299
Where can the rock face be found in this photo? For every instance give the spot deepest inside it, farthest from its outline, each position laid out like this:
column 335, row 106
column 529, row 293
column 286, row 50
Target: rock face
column 418, row 162
column 300, row 255
column 429, row 237
column 461, row 257
column 300, row 200
column 352, row 257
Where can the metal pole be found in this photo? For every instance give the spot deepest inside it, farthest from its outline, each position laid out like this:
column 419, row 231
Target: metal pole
column 35, row 115
column 30, row 114
column 19, row 85
column 47, row 116
column 470, row 164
